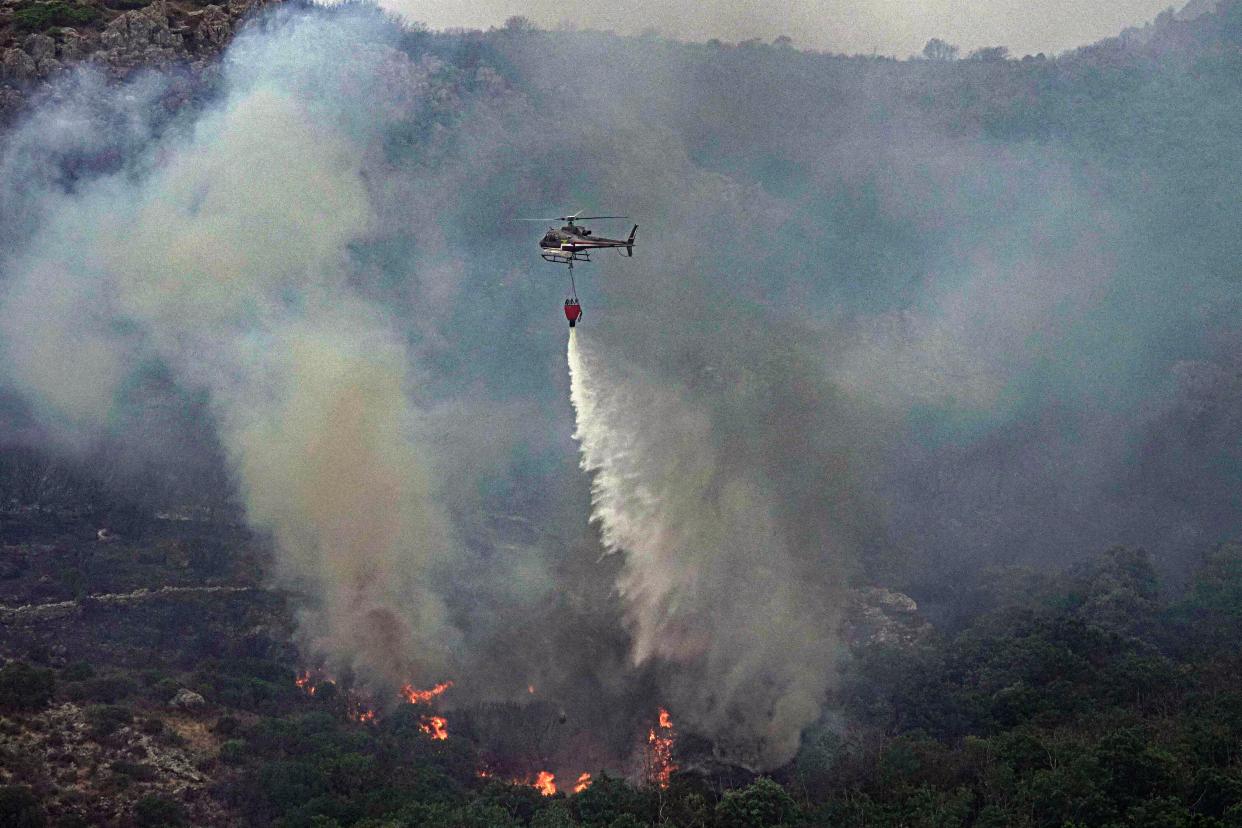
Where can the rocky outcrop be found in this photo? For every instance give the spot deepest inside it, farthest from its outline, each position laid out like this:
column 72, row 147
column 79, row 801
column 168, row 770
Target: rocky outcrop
column 34, row 613
column 187, row 700
column 156, row 36
column 213, row 28
column 140, row 37
column 883, row 617
column 101, row 778
column 17, row 67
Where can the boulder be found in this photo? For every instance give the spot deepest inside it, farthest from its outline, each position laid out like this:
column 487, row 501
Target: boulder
column 883, row 617
column 187, row 700
column 49, row 67
column 73, row 46
column 40, row 47
column 213, row 29
column 136, row 31
column 17, row 67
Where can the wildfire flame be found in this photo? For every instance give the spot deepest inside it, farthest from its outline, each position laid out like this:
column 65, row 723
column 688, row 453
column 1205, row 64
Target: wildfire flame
column 358, row 708
column 309, row 681
column 304, row 683
column 545, row 783
column 359, row 712
column 584, row 782
column 414, row 696
column 660, row 743
column 434, row 726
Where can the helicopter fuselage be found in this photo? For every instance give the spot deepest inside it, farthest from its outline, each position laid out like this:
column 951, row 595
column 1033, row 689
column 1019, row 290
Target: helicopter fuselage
column 574, row 243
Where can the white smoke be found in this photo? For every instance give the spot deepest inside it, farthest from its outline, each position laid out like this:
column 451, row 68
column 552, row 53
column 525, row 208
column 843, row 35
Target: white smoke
column 226, row 261
column 710, row 581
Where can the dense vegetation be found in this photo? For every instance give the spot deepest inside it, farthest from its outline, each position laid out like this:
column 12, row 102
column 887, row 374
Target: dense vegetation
column 1094, row 697
column 1094, row 701
column 39, row 16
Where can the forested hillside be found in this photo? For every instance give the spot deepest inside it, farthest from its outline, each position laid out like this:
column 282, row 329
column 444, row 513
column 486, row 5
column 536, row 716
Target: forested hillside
column 924, row 377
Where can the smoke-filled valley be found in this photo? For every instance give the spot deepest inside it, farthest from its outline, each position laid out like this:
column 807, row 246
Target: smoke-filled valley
column 910, row 422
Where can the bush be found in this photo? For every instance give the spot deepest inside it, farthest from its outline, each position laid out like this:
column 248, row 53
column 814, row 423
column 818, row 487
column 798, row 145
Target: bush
column 19, row 808
column 104, row 689
column 37, row 17
column 233, row 751
column 226, row 726
column 106, row 719
column 78, row 671
column 157, row 812
column 23, row 687
column 138, row 771
column 609, row 798
column 763, row 802
column 152, row 726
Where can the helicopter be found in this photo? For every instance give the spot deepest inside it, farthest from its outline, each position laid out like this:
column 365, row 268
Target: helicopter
column 574, row 243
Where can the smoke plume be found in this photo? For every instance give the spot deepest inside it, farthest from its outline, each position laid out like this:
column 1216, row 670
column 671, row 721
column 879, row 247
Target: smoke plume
column 709, row 579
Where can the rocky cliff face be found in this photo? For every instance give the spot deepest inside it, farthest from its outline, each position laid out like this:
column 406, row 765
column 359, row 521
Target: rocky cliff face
column 86, row 777
column 878, row 616
column 158, row 35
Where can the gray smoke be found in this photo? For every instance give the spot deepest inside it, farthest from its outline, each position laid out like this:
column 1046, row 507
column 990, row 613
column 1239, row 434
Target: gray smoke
column 711, row 579
column 223, row 256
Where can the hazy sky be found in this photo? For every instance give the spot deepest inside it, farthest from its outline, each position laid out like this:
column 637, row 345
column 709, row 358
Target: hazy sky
column 899, row 27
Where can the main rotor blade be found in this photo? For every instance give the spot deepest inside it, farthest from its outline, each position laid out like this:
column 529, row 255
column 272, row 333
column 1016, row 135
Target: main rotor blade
column 590, row 218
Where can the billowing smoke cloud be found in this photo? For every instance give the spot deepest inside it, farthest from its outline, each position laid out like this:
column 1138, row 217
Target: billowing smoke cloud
column 865, row 336
column 711, row 580
column 224, row 258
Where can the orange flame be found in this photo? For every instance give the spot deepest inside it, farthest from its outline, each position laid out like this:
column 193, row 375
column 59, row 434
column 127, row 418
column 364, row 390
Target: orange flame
column 660, row 743
column 584, row 782
column 304, row 683
column 309, row 681
column 358, row 708
column 362, row 713
column 545, row 783
column 434, row 726
column 414, row 696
